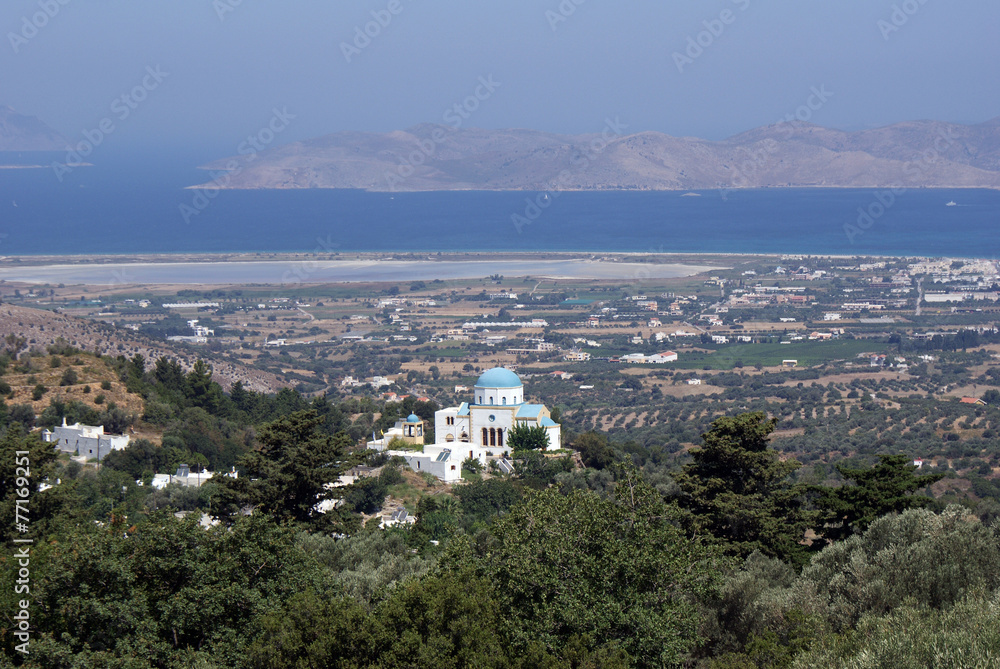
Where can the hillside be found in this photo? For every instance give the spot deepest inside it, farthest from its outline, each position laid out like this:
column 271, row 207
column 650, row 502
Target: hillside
column 43, row 328
column 80, row 377
column 27, row 133
column 428, row 157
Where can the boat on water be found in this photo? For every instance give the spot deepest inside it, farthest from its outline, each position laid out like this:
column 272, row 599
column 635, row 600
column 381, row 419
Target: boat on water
column 691, row 195
column 951, row 204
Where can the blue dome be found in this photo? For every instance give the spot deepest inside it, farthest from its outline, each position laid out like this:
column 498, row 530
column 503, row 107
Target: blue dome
column 498, row 377
column 413, row 418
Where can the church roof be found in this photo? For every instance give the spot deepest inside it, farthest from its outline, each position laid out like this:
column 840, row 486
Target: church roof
column 463, row 409
column 548, row 422
column 529, row 410
column 498, row 377
column 413, row 418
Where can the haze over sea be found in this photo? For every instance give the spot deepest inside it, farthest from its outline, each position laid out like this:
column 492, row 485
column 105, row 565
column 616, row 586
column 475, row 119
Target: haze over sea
column 127, row 207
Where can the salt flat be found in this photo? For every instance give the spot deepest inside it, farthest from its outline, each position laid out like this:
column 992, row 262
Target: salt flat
column 336, row 271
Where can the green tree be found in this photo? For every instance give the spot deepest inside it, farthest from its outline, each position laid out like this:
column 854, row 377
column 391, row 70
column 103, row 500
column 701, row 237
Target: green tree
column 967, row 635
column 23, row 414
column 448, row 621
column 285, row 475
column 366, row 495
column 929, row 558
column 159, row 593
column 737, row 488
column 887, row 487
column 594, row 450
column 604, row 574
column 483, row 500
column 69, row 378
column 367, row 563
column 25, row 461
column 335, row 632
column 203, row 392
column 523, row 437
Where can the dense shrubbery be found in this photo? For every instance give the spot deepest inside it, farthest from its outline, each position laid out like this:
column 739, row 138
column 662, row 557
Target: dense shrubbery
column 917, row 564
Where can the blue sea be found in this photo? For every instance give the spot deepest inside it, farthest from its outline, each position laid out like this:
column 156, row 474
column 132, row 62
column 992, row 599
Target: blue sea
column 141, row 206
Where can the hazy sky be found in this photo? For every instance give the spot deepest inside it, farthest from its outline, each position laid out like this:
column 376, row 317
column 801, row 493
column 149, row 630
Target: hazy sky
column 225, row 65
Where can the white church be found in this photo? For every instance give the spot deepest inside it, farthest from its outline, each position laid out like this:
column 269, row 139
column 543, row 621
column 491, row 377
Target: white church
column 478, row 430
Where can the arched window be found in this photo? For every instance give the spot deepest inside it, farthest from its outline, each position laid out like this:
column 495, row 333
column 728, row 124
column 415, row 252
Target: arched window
column 486, row 437
column 491, row 399
column 505, row 400
column 493, row 437
column 449, row 437
column 500, row 437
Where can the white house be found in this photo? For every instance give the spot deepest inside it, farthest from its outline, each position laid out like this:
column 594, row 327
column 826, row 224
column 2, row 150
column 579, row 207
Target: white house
column 86, row 440
column 477, row 430
column 187, row 478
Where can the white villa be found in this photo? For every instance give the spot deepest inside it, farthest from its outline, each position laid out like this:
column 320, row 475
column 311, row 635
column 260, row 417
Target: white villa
column 478, row 430
column 85, row 440
column 188, row 478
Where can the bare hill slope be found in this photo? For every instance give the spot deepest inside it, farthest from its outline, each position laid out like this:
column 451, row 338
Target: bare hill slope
column 436, row 157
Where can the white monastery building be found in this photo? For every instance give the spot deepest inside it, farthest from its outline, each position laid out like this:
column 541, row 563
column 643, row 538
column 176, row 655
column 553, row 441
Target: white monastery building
column 476, row 430
column 85, row 440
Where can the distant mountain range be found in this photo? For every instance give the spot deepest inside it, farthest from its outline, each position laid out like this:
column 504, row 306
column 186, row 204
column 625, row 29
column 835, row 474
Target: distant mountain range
column 27, row 133
column 431, row 157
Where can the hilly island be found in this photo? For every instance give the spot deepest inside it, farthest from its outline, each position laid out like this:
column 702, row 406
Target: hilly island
column 433, row 157
column 19, row 132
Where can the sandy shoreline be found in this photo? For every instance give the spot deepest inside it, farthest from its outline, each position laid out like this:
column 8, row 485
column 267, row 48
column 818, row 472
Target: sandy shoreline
column 312, row 270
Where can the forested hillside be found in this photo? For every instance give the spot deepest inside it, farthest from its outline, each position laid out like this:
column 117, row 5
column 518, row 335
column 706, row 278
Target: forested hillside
column 610, row 554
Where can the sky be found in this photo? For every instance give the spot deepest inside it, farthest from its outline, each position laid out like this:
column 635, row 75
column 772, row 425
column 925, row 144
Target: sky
column 205, row 74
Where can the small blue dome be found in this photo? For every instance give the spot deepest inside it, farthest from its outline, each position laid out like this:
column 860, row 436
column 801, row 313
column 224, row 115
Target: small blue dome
column 413, row 418
column 498, row 377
